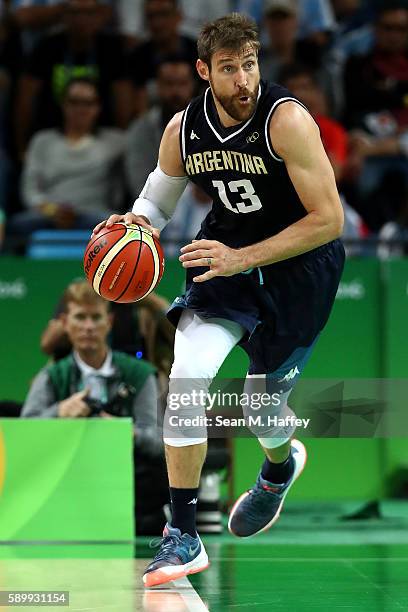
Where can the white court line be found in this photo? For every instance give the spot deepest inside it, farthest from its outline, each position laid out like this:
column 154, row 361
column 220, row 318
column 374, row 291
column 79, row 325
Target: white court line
column 186, row 591
column 191, row 598
column 310, row 559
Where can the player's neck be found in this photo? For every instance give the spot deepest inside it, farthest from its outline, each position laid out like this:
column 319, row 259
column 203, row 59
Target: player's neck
column 225, row 119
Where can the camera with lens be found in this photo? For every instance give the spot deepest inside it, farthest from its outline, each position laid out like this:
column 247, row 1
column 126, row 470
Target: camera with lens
column 96, row 406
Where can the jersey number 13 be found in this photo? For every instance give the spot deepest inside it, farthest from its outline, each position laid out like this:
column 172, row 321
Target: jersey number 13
column 247, row 192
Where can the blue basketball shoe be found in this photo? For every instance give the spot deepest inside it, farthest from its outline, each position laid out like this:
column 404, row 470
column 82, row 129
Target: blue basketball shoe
column 179, row 555
column 258, row 509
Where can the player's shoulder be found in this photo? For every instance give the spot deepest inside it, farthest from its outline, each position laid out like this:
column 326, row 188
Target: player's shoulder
column 291, row 115
column 283, row 109
column 174, row 125
column 274, row 96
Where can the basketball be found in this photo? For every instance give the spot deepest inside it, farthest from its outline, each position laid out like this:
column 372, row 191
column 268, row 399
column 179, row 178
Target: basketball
column 124, row 262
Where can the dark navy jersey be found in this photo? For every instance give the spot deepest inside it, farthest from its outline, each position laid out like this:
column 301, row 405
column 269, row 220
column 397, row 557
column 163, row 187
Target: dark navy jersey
column 253, row 196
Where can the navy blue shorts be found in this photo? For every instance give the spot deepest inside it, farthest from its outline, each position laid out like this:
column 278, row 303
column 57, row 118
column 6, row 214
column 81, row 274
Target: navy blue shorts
column 283, row 306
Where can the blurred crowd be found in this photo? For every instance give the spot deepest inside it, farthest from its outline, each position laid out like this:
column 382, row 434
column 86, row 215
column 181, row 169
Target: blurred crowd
column 87, row 86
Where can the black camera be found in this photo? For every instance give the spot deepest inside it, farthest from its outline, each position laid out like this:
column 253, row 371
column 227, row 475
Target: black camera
column 96, row 406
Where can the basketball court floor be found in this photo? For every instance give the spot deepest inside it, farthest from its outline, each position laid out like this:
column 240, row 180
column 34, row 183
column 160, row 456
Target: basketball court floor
column 309, row 562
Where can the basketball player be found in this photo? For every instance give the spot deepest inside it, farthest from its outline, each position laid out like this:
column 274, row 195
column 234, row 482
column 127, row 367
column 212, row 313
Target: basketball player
column 263, row 271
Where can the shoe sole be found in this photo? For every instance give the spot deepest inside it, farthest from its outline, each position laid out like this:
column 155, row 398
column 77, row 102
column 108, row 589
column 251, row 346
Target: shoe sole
column 298, row 470
column 174, row 572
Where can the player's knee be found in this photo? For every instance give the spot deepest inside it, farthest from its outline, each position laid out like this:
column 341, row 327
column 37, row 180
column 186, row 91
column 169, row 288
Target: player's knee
column 201, row 367
column 273, row 422
column 272, row 442
column 185, row 416
column 267, row 414
column 184, row 425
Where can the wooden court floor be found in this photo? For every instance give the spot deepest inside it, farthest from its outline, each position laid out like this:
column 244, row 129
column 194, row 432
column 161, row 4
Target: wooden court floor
column 359, row 567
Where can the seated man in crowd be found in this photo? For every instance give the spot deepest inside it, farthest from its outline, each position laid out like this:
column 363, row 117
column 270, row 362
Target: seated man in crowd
column 82, row 48
column 72, row 177
column 163, row 19
column 303, row 84
column 376, row 109
column 175, row 88
column 140, row 329
column 36, row 18
column 93, row 381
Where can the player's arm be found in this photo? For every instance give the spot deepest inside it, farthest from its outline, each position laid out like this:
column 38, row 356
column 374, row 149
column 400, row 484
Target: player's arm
column 296, row 139
column 164, row 186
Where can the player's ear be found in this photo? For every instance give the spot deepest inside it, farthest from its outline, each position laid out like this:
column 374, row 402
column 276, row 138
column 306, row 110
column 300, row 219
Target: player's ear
column 202, row 70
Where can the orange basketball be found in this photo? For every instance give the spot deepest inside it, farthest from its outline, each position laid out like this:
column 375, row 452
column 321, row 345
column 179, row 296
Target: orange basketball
column 124, row 263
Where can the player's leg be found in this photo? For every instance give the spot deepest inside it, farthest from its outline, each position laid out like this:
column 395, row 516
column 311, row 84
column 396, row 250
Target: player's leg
column 201, row 346
column 258, row 509
column 297, row 298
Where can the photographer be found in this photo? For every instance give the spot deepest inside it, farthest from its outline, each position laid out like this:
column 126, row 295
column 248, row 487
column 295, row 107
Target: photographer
column 93, row 381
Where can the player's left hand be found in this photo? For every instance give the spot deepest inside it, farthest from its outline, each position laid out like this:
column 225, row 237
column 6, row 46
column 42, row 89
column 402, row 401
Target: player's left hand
column 221, row 259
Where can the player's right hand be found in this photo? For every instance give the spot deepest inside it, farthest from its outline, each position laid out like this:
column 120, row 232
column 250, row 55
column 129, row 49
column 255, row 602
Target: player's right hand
column 129, row 218
column 75, row 406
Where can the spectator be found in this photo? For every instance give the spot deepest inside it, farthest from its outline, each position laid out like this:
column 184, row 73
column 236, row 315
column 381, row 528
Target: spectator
column 377, row 171
column 314, row 15
column 5, row 173
column 378, row 81
column 2, row 225
column 304, row 86
column 82, row 50
column 129, row 21
column 72, row 177
column 175, row 88
column 194, row 15
column 376, row 89
column 10, row 63
column 38, row 17
column 141, row 330
column 93, row 381
column 316, row 21
column 281, row 18
column 163, row 18
column 281, row 24
column 393, row 235
column 253, row 8
column 302, row 82
column 351, row 15
column 193, row 207
column 10, row 47
column 354, row 35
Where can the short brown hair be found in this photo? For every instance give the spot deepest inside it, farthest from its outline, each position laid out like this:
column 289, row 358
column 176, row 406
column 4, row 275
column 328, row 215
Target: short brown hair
column 81, row 292
column 233, row 32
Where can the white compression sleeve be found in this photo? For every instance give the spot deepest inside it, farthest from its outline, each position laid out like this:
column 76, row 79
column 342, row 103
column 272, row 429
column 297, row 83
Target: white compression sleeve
column 159, row 197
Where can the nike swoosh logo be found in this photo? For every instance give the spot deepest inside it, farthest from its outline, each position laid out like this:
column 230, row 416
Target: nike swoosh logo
column 192, row 551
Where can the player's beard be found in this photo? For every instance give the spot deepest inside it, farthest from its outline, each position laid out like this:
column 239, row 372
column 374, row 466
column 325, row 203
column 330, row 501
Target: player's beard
column 232, row 106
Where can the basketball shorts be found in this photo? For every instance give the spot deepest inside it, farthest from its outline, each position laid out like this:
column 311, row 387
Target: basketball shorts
column 283, row 306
